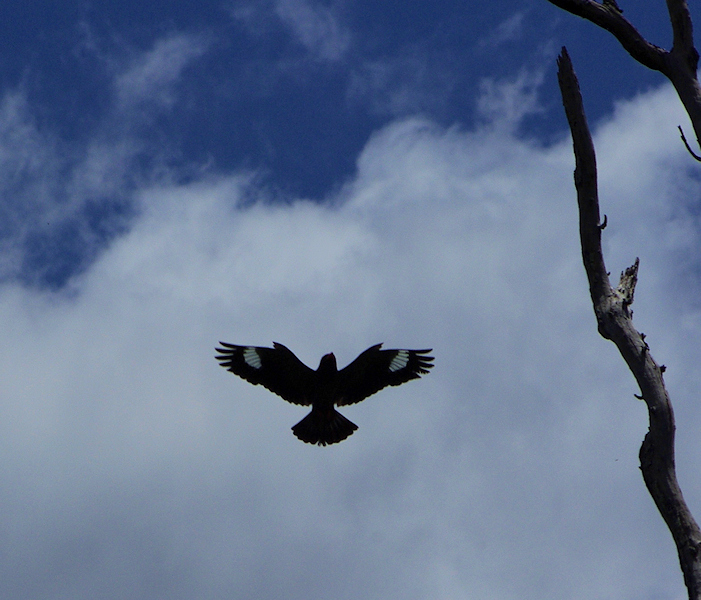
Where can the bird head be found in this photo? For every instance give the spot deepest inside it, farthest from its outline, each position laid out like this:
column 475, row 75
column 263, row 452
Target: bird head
column 327, row 364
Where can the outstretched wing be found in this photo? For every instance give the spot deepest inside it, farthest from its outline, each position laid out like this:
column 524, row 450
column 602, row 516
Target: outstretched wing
column 277, row 369
column 375, row 369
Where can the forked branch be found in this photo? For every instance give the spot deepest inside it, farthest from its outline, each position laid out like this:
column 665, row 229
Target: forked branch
column 614, row 318
column 678, row 64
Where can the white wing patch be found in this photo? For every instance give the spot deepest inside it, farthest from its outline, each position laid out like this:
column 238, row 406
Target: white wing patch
column 250, row 355
column 400, row 361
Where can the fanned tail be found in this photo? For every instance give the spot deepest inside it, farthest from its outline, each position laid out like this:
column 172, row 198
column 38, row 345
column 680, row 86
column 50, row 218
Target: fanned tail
column 324, row 427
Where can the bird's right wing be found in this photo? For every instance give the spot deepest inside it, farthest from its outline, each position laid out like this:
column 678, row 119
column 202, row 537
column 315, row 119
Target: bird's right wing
column 276, row 369
column 375, row 369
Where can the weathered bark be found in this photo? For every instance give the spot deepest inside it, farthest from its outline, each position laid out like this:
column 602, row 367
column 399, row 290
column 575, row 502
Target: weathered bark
column 614, row 318
column 678, row 64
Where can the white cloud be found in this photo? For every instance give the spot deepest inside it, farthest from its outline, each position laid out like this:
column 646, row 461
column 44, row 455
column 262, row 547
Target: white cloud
column 318, row 28
column 48, row 185
column 28, row 169
column 505, row 103
column 400, row 85
column 508, row 30
column 151, row 76
column 136, row 467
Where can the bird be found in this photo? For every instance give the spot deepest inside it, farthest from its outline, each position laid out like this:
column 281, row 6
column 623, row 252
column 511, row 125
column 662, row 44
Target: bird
column 281, row 372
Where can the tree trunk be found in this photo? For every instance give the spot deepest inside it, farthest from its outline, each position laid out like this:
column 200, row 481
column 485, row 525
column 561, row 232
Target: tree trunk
column 614, row 318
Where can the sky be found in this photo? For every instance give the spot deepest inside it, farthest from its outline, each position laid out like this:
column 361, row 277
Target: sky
column 331, row 175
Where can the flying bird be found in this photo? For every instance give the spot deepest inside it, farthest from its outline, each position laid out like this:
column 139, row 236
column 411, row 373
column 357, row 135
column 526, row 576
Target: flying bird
column 280, row 371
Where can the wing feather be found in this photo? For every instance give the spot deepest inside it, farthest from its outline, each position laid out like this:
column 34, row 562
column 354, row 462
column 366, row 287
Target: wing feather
column 375, row 369
column 276, row 369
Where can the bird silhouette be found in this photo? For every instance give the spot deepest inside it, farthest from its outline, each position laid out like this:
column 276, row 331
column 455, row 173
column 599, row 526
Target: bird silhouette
column 280, row 371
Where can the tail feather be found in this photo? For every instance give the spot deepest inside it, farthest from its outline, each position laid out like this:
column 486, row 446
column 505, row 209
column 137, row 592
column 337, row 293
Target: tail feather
column 324, row 427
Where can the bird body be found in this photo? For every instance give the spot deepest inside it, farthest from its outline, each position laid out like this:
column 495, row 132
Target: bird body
column 280, row 371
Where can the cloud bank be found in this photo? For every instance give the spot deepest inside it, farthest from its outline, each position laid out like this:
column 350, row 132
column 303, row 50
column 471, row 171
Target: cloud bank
column 135, row 467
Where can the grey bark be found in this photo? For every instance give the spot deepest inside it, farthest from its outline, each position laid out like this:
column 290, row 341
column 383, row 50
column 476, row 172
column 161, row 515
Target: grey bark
column 678, row 64
column 615, row 323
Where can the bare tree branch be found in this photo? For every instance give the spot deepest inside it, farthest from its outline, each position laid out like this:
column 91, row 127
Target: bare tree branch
column 614, row 318
column 585, row 179
column 683, row 31
column 681, row 132
column 678, row 65
column 608, row 16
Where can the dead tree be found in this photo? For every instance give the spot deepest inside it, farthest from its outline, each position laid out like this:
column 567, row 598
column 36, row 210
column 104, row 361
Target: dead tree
column 678, row 64
column 613, row 313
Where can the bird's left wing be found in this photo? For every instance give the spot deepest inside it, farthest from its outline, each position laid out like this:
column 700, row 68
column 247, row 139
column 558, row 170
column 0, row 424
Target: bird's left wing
column 277, row 369
column 375, row 369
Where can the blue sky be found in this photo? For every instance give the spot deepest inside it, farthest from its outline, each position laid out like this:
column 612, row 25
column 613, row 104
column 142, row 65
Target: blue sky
column 291, row 90
column 331, row 176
